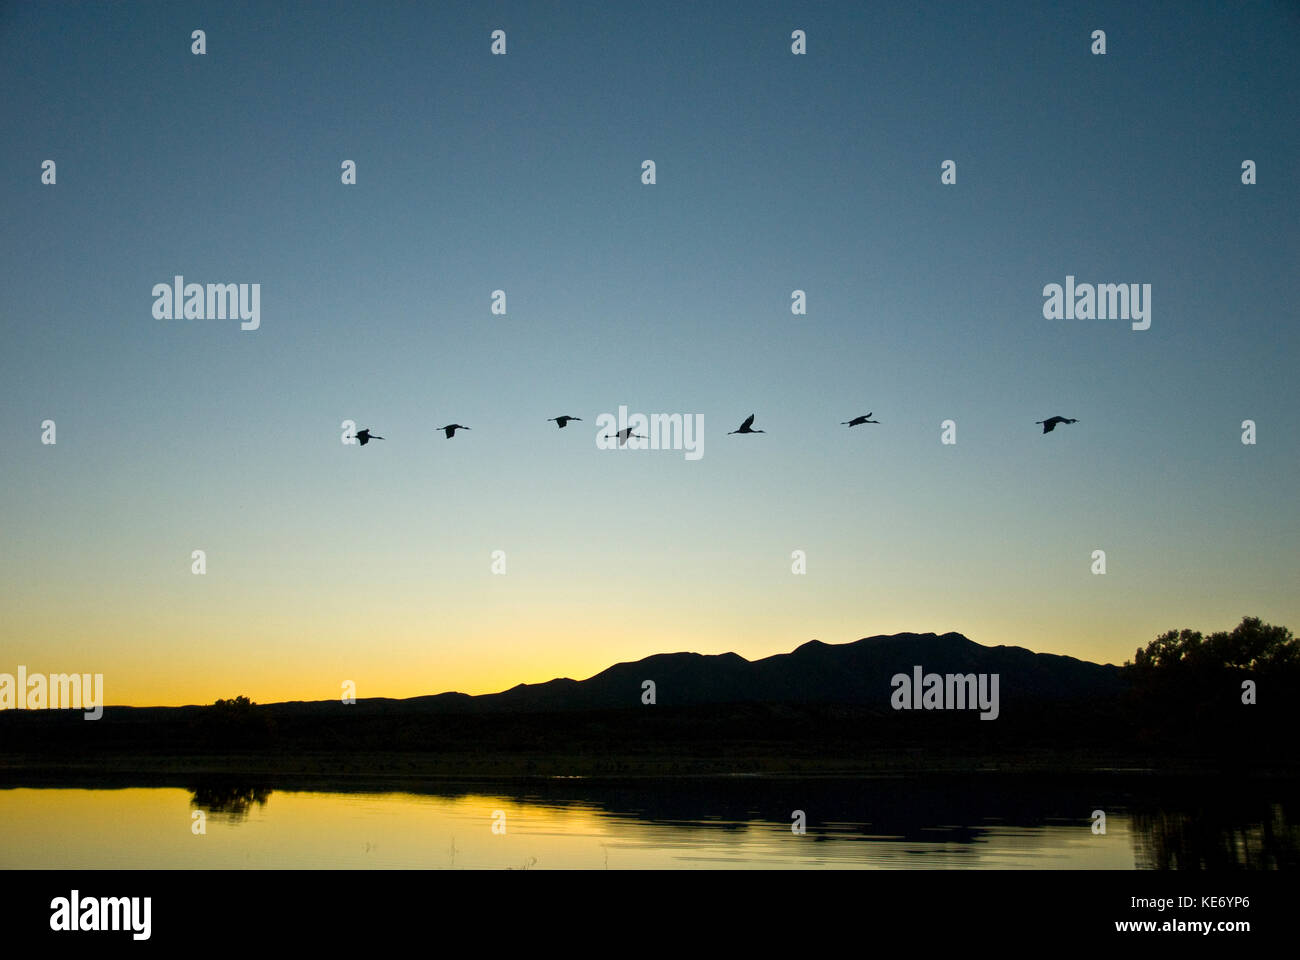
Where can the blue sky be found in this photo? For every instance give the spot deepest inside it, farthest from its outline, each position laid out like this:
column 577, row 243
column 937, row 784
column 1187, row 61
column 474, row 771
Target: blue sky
column 774, row 173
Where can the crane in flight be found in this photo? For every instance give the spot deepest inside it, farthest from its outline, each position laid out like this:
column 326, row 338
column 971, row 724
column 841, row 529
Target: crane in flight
column 451, row 428
column 859, row 420
column 365, row 436
column 623, row 435
column 1050, row 423
column 746, row 427
column 562, row 422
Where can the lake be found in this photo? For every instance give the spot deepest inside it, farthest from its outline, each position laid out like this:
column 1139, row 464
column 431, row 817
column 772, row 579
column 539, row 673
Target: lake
column 993, row 822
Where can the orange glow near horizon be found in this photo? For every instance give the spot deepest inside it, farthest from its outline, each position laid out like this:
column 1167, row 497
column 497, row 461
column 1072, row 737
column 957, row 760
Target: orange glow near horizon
column 311, row 663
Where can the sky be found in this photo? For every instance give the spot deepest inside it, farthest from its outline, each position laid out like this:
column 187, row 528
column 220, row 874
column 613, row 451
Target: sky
column 774, row 172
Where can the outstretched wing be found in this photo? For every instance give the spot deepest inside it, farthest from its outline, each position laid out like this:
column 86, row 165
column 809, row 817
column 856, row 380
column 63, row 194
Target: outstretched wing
column 749, row 422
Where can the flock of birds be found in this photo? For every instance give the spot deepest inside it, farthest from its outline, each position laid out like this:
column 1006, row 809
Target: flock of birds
column 365, row 436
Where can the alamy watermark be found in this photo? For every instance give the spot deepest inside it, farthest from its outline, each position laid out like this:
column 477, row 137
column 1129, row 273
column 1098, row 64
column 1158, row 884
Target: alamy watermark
column 73, row 913
column 179, row 300
column 952, row 691
column 1103, row 301
column 658, row 431
column 58, row 691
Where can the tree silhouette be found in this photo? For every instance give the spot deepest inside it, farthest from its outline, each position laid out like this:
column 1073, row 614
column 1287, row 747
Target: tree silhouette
column 234, row 706
column 237, row 722
column 1251, row 645
column 1189, row 689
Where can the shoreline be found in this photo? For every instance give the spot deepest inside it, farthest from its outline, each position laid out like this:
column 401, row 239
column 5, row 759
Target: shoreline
column 344, row 769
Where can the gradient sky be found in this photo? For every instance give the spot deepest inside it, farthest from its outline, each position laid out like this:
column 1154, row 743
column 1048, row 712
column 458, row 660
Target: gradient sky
column 775, row 172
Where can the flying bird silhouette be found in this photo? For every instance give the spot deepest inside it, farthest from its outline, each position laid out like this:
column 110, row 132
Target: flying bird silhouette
column 1050, row 423
column 451, row 428
column 562, row 422
column 623, row 435
column 746, row 427
column 365, row 436
column 859, row 420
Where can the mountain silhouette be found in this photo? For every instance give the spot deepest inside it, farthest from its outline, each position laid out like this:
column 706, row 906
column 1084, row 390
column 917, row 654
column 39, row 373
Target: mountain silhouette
column 849, row 673
column 820, row 707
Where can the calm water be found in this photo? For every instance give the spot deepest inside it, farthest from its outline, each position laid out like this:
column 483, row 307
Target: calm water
column 690, row 824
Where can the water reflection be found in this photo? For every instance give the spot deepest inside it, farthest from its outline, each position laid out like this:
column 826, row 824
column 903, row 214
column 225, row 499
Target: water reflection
column 1249, row 835
column 229, row 798
column 965, row 822
column 947, row 818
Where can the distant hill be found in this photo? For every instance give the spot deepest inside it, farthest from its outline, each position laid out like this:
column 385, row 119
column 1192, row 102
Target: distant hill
column 849, row 673
column 820, row 708
column 856, row 674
